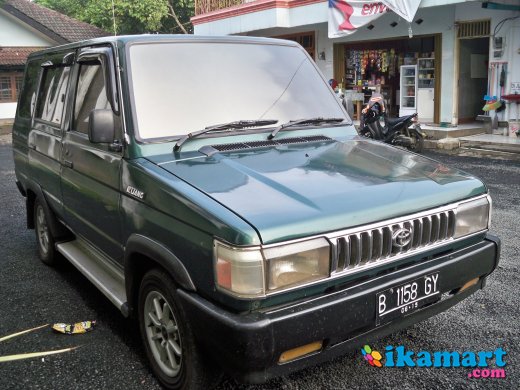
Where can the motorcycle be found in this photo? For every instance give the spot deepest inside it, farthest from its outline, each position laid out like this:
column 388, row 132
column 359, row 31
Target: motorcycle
column 394, row 131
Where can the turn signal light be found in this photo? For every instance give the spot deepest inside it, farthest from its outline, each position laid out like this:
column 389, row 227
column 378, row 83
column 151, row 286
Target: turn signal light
column 296, row 353
column 472, row 282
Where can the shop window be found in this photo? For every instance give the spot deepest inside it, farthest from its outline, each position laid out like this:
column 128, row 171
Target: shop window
column 10, row 86
column 376, row 67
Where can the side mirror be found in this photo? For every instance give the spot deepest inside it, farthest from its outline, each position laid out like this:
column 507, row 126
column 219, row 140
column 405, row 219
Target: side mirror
column 101, row 127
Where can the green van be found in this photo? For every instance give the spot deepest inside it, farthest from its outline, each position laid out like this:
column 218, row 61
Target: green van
column 215, row 189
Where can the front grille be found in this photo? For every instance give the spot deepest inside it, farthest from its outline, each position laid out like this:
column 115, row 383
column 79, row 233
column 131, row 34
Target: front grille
column 357, row 250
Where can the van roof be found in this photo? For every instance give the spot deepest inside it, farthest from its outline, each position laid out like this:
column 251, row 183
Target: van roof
column 126, row 39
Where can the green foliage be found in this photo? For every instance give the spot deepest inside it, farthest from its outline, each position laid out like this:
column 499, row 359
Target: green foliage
column 131, row 16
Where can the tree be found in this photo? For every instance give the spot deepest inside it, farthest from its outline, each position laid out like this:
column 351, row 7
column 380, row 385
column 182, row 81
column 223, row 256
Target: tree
column 131, row 16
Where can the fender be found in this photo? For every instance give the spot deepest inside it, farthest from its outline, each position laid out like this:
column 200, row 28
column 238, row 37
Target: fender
column 139, row 244
column 58, row 231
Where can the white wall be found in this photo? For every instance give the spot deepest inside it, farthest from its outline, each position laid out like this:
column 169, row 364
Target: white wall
column 510, row 31
column 15, row 33
column 7, row 110
column 261, row 20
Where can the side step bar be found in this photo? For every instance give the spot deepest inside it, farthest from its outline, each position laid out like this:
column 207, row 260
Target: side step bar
column 98, row 269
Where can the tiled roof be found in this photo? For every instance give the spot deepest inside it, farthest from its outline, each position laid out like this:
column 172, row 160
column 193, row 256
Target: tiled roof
column 55, row 25
column 15, row 56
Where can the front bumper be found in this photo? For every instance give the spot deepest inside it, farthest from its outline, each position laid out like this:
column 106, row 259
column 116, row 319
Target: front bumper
column 248, row 346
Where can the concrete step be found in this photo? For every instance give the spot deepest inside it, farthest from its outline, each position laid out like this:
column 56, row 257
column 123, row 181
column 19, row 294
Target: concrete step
column 491, row 145
column 508, row 148
column 493, row 142
column 478, row 152
column 451, row 132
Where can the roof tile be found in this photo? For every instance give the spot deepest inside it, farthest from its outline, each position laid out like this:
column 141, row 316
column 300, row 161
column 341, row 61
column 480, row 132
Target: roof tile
column 42, row 18
column 15, row 56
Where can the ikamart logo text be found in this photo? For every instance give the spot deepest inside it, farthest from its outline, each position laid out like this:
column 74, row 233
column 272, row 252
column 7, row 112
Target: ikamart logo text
column 479, row 361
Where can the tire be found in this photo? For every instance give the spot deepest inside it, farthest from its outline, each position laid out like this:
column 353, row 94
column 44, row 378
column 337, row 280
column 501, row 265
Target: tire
column 418, row 146
column 44, row 237
column 167, row 337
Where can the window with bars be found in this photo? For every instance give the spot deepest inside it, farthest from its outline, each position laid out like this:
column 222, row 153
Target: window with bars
column 473, row 29
column 10, row 86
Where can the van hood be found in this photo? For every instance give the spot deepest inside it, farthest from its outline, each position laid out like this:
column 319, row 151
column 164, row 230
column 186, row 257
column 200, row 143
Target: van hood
column 292, row 191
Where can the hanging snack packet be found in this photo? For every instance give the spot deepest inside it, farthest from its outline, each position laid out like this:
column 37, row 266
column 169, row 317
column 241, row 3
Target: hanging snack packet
column 77, row 328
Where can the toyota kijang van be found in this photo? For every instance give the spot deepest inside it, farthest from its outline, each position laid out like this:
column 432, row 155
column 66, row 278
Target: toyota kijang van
column 214, row 189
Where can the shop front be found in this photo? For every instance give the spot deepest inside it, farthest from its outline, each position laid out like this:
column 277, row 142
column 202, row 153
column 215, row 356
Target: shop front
column 406, row 71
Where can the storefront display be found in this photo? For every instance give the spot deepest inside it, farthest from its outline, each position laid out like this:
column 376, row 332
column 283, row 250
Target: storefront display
column 377, row 67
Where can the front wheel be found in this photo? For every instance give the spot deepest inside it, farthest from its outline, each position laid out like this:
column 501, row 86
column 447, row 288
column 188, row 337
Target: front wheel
column 417, row 145
column 167, row 337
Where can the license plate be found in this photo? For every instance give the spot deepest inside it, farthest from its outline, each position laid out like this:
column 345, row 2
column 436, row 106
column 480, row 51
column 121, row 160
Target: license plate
column 401, row 300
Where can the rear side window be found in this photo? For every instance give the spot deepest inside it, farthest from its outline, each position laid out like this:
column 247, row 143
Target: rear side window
column 28, row 96
column 90, row 95
column 51, row 98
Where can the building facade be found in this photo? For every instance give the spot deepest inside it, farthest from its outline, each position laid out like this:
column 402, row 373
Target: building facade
column 458, row 53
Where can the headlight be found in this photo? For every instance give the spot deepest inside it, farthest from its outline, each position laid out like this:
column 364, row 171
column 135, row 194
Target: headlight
column 472, row 217
column 254, row 272
column 294, row 264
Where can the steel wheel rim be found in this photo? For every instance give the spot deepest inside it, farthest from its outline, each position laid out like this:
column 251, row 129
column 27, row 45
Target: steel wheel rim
column 162, row 333
column 42, row 229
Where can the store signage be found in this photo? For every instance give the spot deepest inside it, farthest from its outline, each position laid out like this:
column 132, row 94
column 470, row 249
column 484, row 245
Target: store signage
column 346, row 16
column 515, row 87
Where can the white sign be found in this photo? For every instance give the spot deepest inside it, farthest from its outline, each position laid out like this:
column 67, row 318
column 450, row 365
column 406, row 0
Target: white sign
column 346, row 16
column 515, row 87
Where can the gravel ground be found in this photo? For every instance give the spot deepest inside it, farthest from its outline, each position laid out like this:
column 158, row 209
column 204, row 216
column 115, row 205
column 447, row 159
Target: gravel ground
column 111, row 357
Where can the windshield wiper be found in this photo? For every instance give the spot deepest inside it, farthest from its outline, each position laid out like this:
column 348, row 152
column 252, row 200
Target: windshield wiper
column 225, row 126
column 304, row 122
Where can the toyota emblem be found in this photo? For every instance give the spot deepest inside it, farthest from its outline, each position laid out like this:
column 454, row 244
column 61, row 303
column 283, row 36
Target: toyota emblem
column 401, row 237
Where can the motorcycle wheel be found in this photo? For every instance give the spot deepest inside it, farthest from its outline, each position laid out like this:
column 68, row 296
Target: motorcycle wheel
column 418, row 144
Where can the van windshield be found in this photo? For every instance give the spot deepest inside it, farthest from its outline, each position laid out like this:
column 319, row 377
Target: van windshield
column 181, row 87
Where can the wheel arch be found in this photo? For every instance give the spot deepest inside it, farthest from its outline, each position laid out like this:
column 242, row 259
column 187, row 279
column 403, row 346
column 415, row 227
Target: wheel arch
column 29, row 207
column 141, row 255
column 34, row 191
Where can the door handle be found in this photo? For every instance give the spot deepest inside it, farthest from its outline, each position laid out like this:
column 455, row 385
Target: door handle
column 68, row 164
